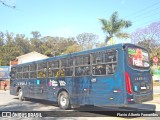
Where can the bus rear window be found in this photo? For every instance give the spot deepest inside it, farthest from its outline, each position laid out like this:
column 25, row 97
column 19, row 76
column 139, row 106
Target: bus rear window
column 138, row 57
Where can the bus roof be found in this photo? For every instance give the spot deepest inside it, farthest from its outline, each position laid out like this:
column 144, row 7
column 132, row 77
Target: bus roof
column 81, row 53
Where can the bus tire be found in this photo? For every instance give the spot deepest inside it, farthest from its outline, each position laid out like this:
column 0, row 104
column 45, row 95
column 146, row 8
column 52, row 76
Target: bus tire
column 20, row 95
column 63, row 100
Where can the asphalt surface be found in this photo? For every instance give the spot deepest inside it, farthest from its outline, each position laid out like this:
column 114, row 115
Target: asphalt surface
column 156, row 89
column 11, row 103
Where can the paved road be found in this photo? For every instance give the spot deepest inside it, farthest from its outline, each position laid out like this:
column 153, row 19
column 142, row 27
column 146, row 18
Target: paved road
column 156, row 89
column 11, row 103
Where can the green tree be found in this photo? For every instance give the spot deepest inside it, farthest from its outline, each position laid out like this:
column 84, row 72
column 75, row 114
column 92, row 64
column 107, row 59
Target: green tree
column 22, row 44
column 9, row 50
column 48, row 45
column 101, row 44
column 73, row 48
column 63, row 44
column 1, row 38
column 148, row 37
column 35, row 41
column 12, row 46
column 52, row 46
column 36, row 34
column 113, row 27
column 87, row 40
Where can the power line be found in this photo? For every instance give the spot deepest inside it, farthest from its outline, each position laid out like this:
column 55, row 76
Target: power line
column 144, row 12
column 147, row 12
column 146, row 17
column 5, row 4
column 149, row 22
column 143, row 9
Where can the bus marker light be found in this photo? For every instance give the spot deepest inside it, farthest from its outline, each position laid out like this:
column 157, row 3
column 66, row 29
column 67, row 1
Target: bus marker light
column 130, row 100
column 111, row 98
column 116, row 91
column 86, row 90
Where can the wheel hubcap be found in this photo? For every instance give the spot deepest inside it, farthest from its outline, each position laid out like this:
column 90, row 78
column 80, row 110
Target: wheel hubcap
column 63, row 100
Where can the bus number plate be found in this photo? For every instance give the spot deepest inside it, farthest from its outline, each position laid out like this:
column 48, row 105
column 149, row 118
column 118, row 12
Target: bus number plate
column 143, row 88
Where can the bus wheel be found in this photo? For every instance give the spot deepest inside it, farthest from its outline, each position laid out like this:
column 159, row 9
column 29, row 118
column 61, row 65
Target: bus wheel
column 63, row 100
column 20, row 95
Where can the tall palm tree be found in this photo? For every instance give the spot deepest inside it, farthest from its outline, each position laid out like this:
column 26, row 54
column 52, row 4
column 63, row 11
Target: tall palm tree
column 113, row 27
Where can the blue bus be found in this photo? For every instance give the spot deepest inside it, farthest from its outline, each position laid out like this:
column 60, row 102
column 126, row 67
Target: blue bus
column 113, row 75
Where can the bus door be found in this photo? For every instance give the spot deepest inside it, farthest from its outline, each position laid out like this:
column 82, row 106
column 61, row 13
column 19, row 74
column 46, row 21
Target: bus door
column 40, row 83
column 81, row 80
column 81, row 90
column 105, row 80
column 138, row 76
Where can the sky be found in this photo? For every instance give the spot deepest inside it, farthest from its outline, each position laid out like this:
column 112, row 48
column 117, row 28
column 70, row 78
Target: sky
column 68, row 18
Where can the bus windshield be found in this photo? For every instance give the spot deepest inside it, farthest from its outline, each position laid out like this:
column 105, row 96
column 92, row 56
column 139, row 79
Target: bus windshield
column 138, row 58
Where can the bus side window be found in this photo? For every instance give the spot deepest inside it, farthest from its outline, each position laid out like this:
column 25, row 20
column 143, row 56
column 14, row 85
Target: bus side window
column 19, row 73
column 25, row 71
column 50, row 69
column 114, row 67
column 32, row 70
column 42, row 70
column 103, row 69
column 82, row 66
column 69, row 71
column 55, row 68
column 109, row 69
column 67, row 67
column 78, row 71
column 104, row 62
column 13, row 73
column 99, row 70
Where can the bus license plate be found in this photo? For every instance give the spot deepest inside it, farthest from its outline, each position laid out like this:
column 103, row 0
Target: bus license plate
column 143, row 88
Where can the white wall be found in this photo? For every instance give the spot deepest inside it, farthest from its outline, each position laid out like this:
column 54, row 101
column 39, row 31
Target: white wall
column 30, row 57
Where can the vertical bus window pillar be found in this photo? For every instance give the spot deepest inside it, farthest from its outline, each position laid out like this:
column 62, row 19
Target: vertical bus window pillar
column 91, row 62
column 74, row 62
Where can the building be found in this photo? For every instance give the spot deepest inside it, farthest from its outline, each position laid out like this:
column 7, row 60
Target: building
column 32, row 56
column 4, row 76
